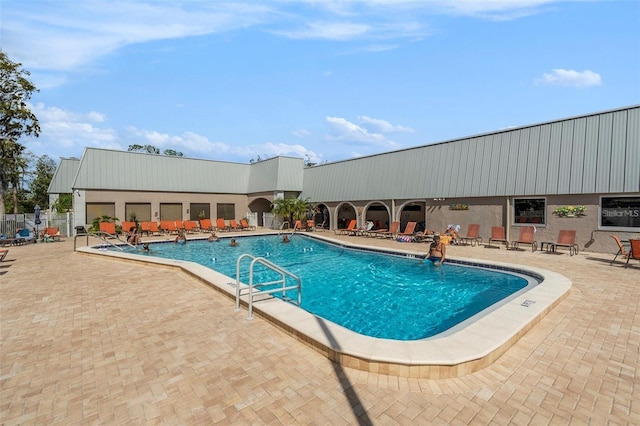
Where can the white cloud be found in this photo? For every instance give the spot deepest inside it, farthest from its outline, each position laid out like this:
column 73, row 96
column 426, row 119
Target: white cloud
column 326, row 31
column 187, row 141
column 562, row 77
column 348, row 132
column 300, row 133
column 68, row 36
column 383, row 126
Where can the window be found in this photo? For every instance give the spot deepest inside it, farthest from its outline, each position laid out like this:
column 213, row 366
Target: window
column 170, row 211
column 96, row 210
column 620, row 213
column 529, row 210
column 141, row 211
column 226, row 211
column 199, row 211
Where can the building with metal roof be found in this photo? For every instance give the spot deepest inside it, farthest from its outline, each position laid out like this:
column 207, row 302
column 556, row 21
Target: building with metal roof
column 513, row 177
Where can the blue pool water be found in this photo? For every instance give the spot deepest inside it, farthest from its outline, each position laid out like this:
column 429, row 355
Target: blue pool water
column 374, row 294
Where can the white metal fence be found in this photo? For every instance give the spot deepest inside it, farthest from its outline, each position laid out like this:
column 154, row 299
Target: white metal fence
column 10, row 222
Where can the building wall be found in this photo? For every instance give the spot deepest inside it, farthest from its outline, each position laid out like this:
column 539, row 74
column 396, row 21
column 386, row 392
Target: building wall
column 121, row 198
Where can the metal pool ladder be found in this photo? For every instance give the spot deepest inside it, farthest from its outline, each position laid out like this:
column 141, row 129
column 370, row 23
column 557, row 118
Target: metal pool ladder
column 251, row 286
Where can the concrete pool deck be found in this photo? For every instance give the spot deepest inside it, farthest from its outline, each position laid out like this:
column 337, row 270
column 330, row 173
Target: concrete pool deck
column 87, row 340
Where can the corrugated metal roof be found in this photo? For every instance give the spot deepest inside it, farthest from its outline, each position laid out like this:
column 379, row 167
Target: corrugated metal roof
column 276, row 174
column 64, row 175
column 132, row 171
column 595, row 153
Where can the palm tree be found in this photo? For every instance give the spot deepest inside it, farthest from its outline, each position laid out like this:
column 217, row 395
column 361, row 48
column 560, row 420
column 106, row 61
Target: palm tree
column 290, row 208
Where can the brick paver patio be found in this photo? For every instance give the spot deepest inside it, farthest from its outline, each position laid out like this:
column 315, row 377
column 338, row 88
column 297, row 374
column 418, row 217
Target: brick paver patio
column 87, row 340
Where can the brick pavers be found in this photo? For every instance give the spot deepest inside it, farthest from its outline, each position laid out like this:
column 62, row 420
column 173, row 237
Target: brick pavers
column 87, row 340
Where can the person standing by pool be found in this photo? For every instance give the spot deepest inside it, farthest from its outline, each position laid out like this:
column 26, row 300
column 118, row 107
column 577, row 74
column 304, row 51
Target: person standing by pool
column 437, row 251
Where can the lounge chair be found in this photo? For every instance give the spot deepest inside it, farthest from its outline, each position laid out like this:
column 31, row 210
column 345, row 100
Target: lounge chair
column 233, row 225
column 109, row 229
column 245, row 225
column 145, row 228
column 566, row 239
column 168, row 226
column 51, row 234
column 190, row 226
column 155, row 229
column 527, row 235
column 635, row 251
column 206, row 225
column 348, row 229
column 6, row 241
column 621, row 249
column 311, row 225
column 498, row 236
column 221, row 225
column 179, row 225
column 386, row 233
column 3, row 254
column 126, row 226
column 409, row 230
column 473, row 235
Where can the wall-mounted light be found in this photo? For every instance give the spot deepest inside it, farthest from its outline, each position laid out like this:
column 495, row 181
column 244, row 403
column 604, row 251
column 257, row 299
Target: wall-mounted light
column 155, row 214
column 439, row 199
column 77, row 192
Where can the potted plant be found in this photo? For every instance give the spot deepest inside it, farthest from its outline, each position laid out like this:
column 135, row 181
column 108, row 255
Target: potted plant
column 570, row 211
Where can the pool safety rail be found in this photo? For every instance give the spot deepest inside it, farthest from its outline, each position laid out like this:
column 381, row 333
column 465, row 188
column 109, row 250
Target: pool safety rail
column 251, row 285
column 102, row 236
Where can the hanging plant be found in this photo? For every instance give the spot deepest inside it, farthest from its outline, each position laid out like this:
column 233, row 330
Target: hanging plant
column 458, row 207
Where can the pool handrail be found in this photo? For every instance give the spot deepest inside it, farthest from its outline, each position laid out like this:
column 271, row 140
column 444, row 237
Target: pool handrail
column 281, row 271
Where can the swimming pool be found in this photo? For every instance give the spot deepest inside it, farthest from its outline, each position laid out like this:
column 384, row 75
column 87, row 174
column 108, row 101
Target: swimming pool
column 379, row 295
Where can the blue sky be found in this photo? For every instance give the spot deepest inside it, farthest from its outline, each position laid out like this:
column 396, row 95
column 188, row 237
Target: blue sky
column 322, row 80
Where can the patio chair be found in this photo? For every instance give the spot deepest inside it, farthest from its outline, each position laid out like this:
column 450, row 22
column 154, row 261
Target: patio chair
column 621, row 249
column 473, row 235
column 311, row 225
column 498, row 236
column 145, row 228
column 233, row 225
column 108, row 228
column 409, row 230
column 348, row 229
column 566, row 239
column 635, row 251
column 51, row 234
column 190, row 226
column 155, row 229
column 221, row 225
column 245, row 225
column 206, row 225
column 126, row 226
column 168, row 226
column 3, row 254
column 386, row 233
column 527, row 236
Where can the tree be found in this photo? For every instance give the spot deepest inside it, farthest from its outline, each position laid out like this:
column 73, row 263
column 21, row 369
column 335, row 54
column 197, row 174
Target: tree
column 45, row 168
column 16, row 121
column 173, row 153
column 146, row 148
column 290, row 208
column 63, row 204
column 150, row 149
